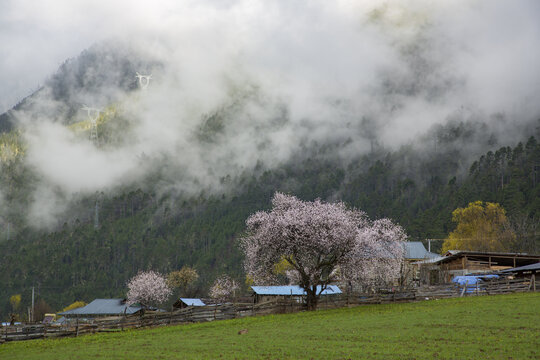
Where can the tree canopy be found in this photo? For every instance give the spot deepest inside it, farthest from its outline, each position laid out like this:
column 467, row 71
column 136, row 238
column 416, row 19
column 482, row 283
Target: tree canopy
column 74, row 305
column 148, row 288
column 182, row 278
column 480, row 227
column 321, row 242
column 223, row 288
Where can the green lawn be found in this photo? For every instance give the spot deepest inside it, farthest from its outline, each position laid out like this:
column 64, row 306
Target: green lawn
column 488, row 327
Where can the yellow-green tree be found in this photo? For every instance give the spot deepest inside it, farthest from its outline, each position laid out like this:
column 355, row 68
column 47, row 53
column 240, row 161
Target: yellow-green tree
column 182, row 278
column 75, row 305
column 15, row 301
column 480, row 227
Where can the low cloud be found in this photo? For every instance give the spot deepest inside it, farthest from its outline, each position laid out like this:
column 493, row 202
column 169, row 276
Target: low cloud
column 240, row 83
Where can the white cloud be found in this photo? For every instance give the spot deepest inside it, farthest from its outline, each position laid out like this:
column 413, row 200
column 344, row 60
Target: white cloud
column 403, row 65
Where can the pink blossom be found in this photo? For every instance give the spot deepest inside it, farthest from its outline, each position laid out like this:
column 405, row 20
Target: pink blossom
column 147, row 288
column 323, row 243
column 223, row 288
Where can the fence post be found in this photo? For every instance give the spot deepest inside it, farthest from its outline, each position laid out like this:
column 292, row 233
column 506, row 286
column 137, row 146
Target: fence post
column 77, row 326
column 464, row 288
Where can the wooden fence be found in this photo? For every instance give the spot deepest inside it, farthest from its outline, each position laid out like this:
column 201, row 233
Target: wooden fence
column 231, row 311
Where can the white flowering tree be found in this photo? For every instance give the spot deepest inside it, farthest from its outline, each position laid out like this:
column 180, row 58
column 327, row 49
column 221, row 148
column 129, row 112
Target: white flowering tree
column 223, row 288
column 321, row 243
column 148, row 288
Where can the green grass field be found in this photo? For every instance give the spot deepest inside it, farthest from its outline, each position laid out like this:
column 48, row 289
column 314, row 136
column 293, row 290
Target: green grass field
column 488, row 327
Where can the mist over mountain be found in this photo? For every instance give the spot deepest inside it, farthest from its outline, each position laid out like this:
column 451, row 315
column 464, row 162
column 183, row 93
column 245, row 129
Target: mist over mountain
column 223, row 100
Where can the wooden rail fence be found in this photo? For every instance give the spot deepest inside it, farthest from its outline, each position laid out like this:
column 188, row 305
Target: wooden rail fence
column 232, row 311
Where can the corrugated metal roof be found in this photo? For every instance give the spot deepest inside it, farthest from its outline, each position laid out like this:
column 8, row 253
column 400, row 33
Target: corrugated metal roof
column 524, row 268
column 192, row 302
column 454, row 254
column 417, row 250
column 294, row 290
column 104, row 307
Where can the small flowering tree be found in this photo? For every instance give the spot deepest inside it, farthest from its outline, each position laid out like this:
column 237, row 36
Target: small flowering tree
column 377, row 255
column 223, row 288
column 321, row 243
column 148, row 288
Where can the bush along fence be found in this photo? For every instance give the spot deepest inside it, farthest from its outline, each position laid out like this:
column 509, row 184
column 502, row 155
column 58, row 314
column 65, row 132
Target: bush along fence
column 77, row 326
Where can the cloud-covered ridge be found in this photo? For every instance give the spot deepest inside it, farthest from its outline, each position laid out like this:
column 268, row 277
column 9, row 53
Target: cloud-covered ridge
column 240, row 83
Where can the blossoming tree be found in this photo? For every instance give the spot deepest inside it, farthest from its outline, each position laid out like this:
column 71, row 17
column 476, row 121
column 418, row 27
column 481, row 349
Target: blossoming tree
column 322, row 243
column 148, row 288
column 223, row 288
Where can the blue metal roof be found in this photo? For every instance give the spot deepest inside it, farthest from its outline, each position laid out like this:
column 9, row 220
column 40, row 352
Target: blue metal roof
column 192, row 302
column 104, row 307
column 294, row 290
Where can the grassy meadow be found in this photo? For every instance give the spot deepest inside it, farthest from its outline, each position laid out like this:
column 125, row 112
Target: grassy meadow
column 488, row 327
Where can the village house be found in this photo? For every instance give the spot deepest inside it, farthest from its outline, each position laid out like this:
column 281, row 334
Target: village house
column 414, row 253
column 289, row 292
column 103, row 308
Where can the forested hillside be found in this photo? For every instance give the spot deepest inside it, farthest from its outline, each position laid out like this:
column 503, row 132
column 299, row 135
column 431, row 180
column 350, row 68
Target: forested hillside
column 139, row 230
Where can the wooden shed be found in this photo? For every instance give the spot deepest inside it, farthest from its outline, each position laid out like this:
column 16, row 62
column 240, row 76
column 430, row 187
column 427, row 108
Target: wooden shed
column 456, row 263
column 185, row 302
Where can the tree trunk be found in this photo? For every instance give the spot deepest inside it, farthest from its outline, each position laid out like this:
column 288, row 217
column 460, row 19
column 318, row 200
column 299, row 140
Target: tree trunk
column 311, row 298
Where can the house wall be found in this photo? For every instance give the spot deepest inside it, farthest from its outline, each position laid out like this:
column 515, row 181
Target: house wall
column 266, row 298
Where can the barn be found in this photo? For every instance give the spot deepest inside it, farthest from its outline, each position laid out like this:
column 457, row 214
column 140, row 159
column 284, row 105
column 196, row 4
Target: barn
column 458, row 263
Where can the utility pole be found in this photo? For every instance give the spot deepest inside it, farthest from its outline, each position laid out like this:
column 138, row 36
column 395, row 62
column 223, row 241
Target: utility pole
column 429, row 242
column 96, row 214
column 32, row 312
column 93, row 116
column 96, row 210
